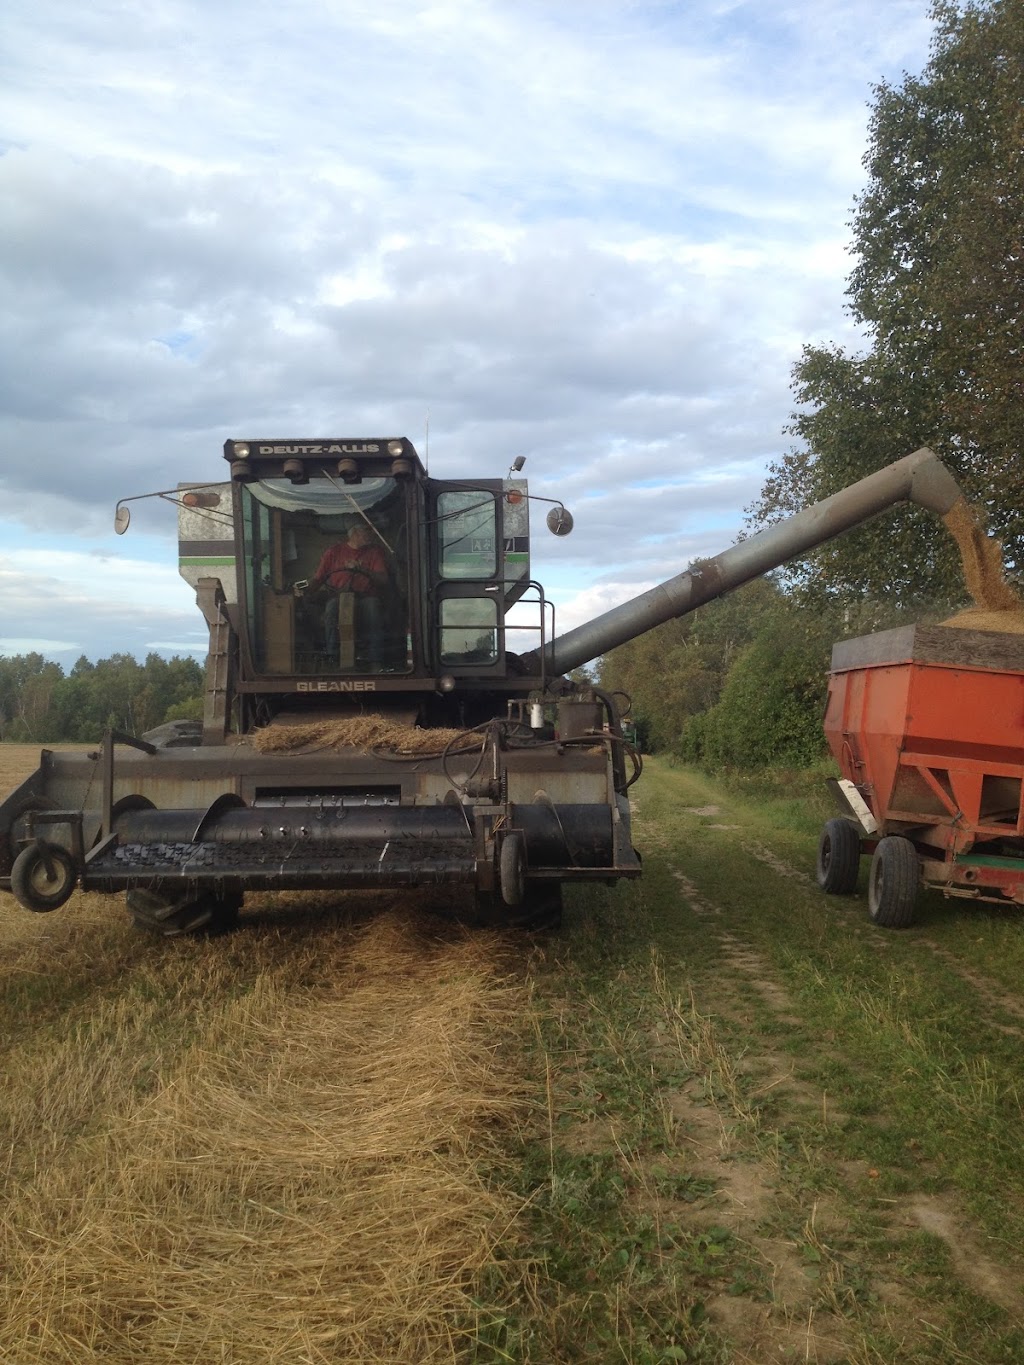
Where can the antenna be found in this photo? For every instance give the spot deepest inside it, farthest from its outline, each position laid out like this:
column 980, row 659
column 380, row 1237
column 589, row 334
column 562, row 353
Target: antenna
column 426, row 444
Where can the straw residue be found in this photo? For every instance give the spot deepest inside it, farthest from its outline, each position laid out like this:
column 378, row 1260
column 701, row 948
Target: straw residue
column 312, row 1179
column 997, row 605
column 359, row 732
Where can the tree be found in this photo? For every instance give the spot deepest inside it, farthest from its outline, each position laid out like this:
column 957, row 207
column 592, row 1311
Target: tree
column 770, row 709
column 38, row 703
column 27, row 684
column 677, row 671
column 939, row 284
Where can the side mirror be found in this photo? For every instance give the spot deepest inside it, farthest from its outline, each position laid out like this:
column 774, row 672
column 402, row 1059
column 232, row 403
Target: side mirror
column 560, row 521
column 122, row 518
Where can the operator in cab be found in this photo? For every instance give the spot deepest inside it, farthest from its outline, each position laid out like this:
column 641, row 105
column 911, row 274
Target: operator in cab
column 356, row 566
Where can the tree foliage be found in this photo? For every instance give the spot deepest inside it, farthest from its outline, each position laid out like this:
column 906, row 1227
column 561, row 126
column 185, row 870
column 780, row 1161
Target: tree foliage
column 939, row 285
column 40, row 704
column 769, row 713
column 677, row 671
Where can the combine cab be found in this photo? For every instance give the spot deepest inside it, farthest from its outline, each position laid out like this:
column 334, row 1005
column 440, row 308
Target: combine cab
column 367, row 721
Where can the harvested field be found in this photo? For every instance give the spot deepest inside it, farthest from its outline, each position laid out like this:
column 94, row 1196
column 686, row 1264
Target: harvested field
column 288, row 1145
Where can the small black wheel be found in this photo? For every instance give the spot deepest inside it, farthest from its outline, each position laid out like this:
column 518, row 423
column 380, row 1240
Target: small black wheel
column 43, row 876
column 512, row 868
column 169, row 914
column 893, row 882
column 838, row 858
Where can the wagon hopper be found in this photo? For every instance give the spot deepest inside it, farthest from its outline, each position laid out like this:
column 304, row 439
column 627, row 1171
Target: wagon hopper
column 926, row 724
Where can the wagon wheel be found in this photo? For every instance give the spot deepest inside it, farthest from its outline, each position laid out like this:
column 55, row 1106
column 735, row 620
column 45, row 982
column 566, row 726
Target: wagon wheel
column 43, row 876
column 893, row 882
column 171, row 913
column 838, row 858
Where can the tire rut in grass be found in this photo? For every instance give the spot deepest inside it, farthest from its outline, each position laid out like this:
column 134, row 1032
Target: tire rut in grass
column 991, row 995
column 722, row 1140
column 938, row 1215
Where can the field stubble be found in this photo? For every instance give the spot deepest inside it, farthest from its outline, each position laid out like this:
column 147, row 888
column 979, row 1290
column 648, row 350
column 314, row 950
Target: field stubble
column 287, row 1145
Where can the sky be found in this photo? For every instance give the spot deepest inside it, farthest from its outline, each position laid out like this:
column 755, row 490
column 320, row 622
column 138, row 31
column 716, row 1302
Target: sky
column 596, row 233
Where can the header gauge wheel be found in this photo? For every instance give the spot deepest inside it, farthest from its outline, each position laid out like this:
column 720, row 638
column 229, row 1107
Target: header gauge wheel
column 43, row 876
column 512, row 868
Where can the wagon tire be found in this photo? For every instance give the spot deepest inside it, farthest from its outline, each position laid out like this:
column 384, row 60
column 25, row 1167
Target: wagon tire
column 893, row 883
column 838, row 858
column 43, row 876
column 172, row 915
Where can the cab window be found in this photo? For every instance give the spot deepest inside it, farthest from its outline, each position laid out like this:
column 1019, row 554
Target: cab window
column 327, row 577
column 467, row 532
column 469, row 630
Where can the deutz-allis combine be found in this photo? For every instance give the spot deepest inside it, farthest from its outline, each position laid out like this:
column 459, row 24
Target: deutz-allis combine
column 366, row 722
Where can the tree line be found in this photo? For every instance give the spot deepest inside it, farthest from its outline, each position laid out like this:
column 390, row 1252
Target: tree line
column 938, row 288
column 39, row 703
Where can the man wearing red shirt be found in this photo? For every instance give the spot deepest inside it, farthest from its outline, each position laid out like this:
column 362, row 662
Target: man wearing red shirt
column 358, row 566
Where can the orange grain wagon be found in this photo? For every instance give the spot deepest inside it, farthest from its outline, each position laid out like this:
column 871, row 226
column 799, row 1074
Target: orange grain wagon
column 927, row 726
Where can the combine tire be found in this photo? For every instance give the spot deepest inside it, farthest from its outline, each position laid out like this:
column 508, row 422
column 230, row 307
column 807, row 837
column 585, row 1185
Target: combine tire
column 171, row 914
column 43, row 876
column 838, row 858
column 544, row 909
column 540, row 910
column 893, row 883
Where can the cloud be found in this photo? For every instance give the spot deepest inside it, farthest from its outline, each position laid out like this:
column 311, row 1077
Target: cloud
column 94, row 605
column 597, row 240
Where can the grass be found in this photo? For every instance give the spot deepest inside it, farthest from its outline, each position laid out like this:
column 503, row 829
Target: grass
column 719, row 1118
column 805, row 1130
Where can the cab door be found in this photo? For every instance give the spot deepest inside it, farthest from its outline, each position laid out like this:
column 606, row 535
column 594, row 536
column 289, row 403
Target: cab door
column 469, row 592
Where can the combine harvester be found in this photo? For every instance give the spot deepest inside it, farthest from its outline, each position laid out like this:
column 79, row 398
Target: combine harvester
column 366, row 722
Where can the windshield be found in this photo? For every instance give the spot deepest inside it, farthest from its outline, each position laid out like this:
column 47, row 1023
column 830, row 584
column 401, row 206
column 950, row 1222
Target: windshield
column 326, row 576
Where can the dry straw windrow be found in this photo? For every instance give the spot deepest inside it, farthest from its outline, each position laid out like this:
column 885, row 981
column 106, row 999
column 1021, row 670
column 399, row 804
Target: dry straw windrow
column 287, row 1149
column 361, row 732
